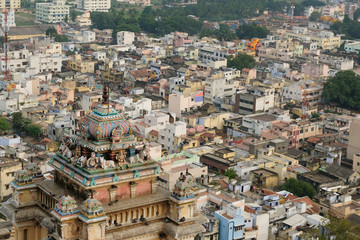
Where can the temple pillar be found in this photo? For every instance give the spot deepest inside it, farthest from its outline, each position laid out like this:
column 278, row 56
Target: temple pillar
column 153, row 185
column 112, row 192
column 133, row 186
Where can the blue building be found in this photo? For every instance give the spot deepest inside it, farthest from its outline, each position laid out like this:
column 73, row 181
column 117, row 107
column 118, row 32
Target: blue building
column 231, row 223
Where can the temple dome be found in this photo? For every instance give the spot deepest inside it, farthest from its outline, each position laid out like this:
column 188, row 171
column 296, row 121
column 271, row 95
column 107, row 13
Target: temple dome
column 91, row 207
column 66, row 205
column 103, row 122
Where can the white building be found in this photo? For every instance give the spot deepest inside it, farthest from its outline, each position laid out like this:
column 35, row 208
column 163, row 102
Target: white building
column 10, row 19
column 135, row 109
column 256, row 123
column 168, row 134
column 304, row 91
column 153, row 121
column 125, row 38
column 218, row 87
column 255, row 100
column 10, row 140
column 179, row 103
column 88, row 36
column 94, row 5
column 16, row 101
column 32, row 64
column 54, row 12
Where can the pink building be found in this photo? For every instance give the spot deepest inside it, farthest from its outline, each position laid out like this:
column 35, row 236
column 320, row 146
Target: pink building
column 182, row 39
column 297, row 133
column 315, row 70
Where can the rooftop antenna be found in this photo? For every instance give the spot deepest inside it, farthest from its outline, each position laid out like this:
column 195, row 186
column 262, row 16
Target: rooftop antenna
column 108, row 98
column 7, row 76
column 292, row 9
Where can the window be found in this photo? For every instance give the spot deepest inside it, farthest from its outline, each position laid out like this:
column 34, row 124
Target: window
column 238, row 228
column 7, row 186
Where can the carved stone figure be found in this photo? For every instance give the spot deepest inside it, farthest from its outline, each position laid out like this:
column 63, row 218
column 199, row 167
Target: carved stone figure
column 120, row 158
column 106, row 163
column 82, row 161
column 93, row 161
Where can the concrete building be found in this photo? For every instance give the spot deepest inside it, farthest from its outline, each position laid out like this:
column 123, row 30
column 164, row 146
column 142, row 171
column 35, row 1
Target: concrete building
column 324, row 39
column 10, row 4
column 254, row 100
column 94, row 5
column 354, row 140
column 10, row 19
column 10, row 140
column 213, row 56
column 305, row 91
column 218, row 87
column 8, row 168
column 53, row 12
column 182, row 39
column 170, row 134
column 125, row 38
column 179, row 102
column 78, row 64
column 89, row 100
column 135, row 109
column 256, row 123
column 231, row 223
column 152, row 121
column 175, row 165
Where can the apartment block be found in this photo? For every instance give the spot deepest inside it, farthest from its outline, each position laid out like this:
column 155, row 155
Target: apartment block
column 52, row 12
column 94, row 5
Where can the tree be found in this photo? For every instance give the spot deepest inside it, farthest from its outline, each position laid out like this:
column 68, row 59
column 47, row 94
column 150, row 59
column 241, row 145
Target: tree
column 315, row 115
column 248, row 31
column 4, row 125
column 343, row 90
column 314, row 3
column 61, row 38
column 333, row 228
column 231, row 173
column 315, row 16
column 356, row 14
column 51, row 32
column 241, row 61
column 33, row 130
column 299, row 188
column 17, row 121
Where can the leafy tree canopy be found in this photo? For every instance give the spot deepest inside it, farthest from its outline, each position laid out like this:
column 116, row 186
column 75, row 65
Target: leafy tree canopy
column 315, row 16
column 248, row 31
column 241, row 61
column 33, row 130
column 51, row 31
column 231, row 173
column 343, row 90
column 350, row 28
column 4, row 125
column 299, row 188
column 223, row 33
column 314, row 3
column 333, row 228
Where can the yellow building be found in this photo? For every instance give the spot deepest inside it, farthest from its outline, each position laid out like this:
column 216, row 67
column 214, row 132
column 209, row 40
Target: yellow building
column 81, row 65
column 24, row 32
column 8, row 167
column 264, row 178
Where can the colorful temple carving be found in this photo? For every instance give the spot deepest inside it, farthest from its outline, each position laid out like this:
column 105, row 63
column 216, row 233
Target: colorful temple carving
column 104, row 187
